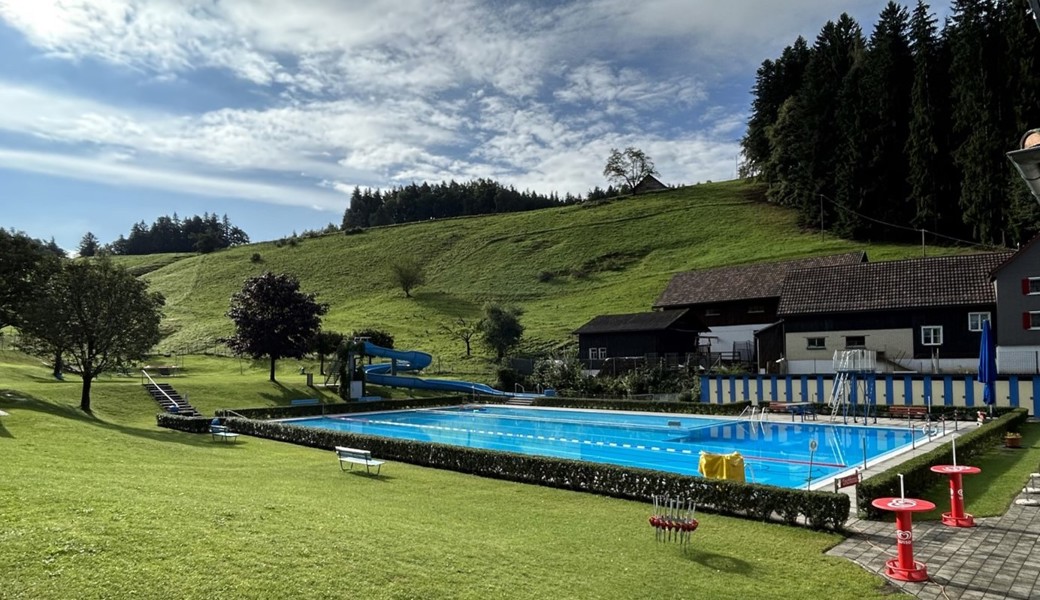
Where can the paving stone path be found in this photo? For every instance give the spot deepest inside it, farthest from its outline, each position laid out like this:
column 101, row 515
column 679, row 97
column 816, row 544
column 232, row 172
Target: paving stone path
column 997, row 559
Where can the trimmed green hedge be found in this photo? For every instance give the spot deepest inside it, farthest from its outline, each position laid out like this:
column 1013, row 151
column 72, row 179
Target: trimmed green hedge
column 821, row 510
column 917, row 476
column 338, row 408
column 695, row 408
column 959, row 413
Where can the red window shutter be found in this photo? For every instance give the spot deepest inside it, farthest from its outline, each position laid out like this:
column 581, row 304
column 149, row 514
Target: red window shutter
column 1025, row 285
column 1026, row 321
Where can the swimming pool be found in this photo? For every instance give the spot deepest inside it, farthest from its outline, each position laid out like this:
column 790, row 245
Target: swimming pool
column 775, row 453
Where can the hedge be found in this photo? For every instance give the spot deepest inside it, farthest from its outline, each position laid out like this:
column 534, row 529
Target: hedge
column 821, row 510
column 917, row 476
column 337, row 408
column 695, row 408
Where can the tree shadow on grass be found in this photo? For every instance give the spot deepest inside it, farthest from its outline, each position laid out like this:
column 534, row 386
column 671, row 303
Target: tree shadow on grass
column 718, row 562
column 22, row 402
column 283, row 395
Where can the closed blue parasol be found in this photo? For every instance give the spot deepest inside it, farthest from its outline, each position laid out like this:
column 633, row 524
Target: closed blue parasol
column 988, row 366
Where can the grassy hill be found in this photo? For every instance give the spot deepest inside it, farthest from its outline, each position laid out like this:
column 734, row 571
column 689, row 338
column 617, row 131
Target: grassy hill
column 563, row 266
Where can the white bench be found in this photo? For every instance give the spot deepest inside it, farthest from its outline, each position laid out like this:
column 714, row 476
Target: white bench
column 220, row 432
column 353, row 456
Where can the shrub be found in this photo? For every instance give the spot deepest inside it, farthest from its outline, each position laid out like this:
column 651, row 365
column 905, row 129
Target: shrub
column 917, row 474
column 256, row 258
column 546, row 276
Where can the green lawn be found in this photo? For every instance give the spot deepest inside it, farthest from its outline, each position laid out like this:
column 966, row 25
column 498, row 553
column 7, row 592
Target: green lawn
column 1004, row 474
column 111, row 506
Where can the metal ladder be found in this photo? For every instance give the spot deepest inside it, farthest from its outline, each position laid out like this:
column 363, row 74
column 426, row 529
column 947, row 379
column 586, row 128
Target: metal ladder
column 839, row 391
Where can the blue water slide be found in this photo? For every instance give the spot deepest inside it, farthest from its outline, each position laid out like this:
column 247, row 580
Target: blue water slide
column 413, row 360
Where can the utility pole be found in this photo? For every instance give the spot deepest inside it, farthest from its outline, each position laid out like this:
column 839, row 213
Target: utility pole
column 821, row 216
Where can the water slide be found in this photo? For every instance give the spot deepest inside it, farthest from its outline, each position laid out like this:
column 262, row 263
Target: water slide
column 413, row 360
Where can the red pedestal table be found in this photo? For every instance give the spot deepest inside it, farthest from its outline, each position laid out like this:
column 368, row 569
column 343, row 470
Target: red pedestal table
column 957, row 517
column 903, row 567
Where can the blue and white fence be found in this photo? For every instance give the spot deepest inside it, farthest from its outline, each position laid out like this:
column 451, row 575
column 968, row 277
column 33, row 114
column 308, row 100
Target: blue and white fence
column 889, row 389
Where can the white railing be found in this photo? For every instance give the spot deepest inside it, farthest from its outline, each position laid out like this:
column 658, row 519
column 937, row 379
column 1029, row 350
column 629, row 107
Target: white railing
column 859, row 361
column 152, row 381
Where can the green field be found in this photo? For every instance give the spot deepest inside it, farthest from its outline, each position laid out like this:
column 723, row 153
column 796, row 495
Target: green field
column 563, row 266
column 111, row 506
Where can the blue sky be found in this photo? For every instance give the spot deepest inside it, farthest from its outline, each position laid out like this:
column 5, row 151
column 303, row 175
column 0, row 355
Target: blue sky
column 271, row 111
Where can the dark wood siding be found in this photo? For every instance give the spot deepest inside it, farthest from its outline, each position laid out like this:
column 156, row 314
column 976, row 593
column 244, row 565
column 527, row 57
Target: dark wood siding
column 737, row 313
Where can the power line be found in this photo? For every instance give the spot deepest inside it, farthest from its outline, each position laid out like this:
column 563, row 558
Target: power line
column 905, row 228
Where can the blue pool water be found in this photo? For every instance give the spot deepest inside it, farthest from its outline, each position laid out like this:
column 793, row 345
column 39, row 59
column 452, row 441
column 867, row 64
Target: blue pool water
column 775, row 453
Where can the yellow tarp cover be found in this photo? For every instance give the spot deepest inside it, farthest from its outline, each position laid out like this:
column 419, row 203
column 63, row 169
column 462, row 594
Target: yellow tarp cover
column 722, row 466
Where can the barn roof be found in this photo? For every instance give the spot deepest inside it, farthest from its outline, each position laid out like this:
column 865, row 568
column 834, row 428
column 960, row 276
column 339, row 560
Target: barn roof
column 742, row 282
column 644, row 321
column 892, row 285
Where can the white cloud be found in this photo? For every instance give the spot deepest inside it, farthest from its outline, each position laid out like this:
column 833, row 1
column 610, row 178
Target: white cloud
column 101, row 169
column 389, row 91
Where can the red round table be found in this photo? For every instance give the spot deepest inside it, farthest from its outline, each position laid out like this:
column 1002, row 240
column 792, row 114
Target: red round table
column 903, row 567
column 957, row 517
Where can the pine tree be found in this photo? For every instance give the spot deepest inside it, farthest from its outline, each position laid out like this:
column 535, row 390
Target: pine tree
column 979, row 141
column 775, row 82
column 876, row 124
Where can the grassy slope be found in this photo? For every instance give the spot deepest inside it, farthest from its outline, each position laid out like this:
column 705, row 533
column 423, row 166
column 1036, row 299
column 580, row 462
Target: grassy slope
column 113, row 507
column 629, row 249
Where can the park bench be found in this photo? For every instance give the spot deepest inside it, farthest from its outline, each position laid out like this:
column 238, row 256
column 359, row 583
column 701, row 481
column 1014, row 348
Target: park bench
column 353, row 456
column 220, row 432
column 304, row 402
column 908, row 411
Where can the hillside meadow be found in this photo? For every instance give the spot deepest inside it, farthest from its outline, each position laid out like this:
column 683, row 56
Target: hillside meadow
column 563, row 266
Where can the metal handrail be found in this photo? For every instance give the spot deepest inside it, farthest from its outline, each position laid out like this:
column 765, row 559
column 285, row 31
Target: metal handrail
column 152, row 381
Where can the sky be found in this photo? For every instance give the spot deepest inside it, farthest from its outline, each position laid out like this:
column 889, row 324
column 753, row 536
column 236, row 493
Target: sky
column 271, row 111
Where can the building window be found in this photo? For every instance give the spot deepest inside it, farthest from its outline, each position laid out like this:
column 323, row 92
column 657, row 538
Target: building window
column 1032, row 320
column 855, row 341
column 975, row 320
column 755, row 309
column 711, row 312
column 1031, row 286
column 816, row 343
column 931, row 335
column 597, row 353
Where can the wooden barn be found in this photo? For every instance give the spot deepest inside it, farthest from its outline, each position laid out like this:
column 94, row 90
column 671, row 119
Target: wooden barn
column 668, row 335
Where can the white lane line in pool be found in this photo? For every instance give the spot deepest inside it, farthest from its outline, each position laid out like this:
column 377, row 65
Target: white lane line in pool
column 520, row 435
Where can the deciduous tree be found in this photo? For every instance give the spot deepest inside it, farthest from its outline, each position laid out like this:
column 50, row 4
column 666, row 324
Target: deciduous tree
column 408, row 274
column 274, row 318
column 501, row 328
column 93, row 316
column 463, row 330
column 25, row 264
column 628, row 167
column 325, row 343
